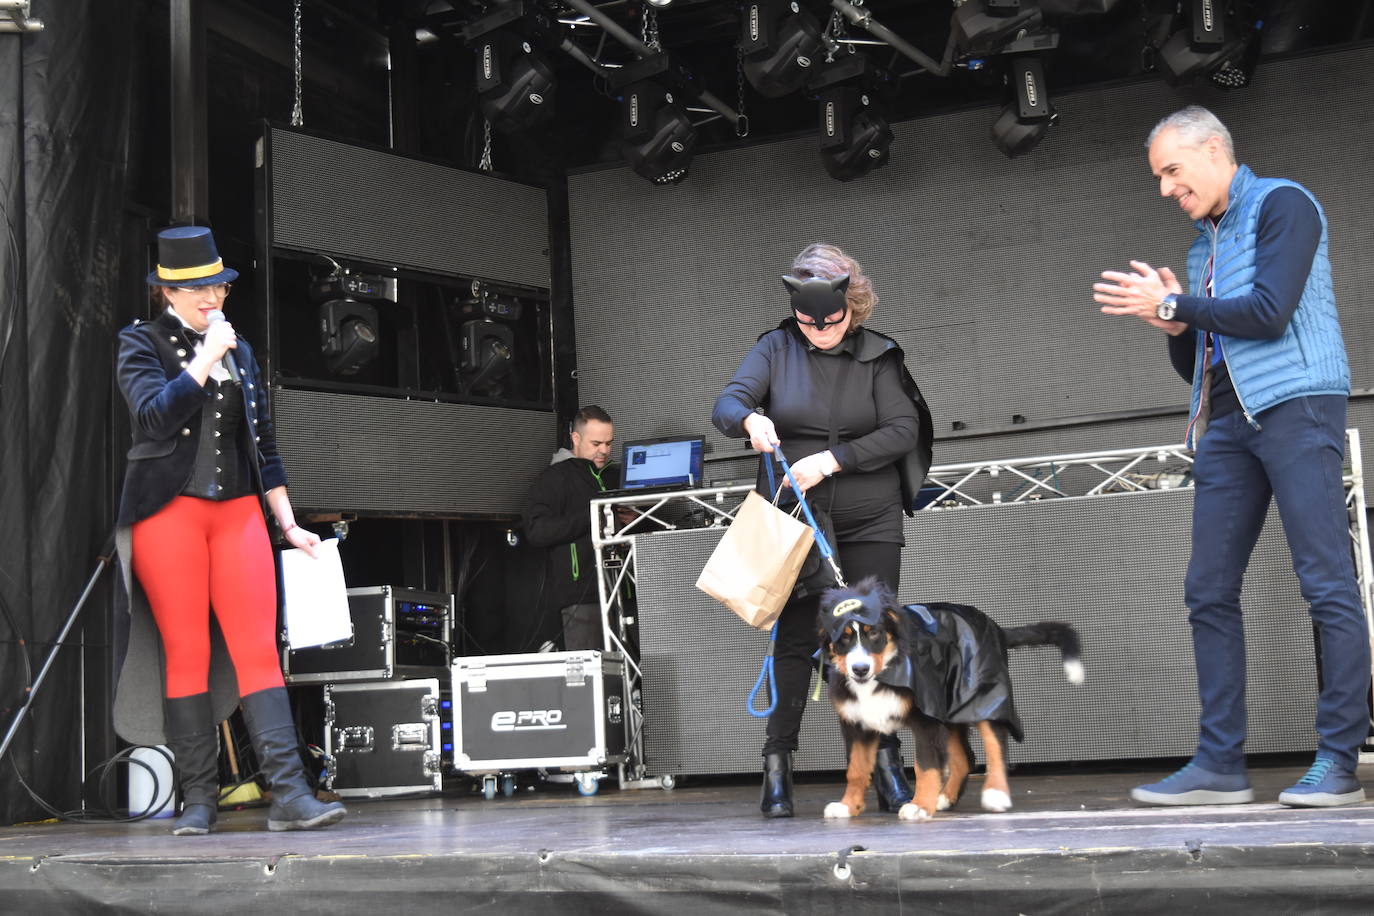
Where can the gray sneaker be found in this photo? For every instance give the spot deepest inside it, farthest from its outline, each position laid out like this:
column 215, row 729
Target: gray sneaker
column 1326, row 785
column 1193, row 785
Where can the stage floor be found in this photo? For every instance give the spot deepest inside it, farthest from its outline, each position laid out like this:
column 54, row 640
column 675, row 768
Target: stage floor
column 1073, row 843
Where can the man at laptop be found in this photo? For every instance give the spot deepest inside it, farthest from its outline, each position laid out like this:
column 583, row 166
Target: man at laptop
column 557, row 518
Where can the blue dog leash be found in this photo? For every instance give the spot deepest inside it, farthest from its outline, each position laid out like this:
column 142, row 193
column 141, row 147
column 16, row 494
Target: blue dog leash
column 821, row 542
column 766, row 671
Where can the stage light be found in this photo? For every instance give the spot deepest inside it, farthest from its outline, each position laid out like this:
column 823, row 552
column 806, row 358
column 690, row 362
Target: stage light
column 515, row 81
column 348, row 335
column 986, row 25
column 516, row 86
column 1237, row 72
column 488, row 352
column 659, row 137
column 660, row 3
column 1209, row 44
column 1025, row 119
column 779, row 43
column 1015, row 137
column 855, row 138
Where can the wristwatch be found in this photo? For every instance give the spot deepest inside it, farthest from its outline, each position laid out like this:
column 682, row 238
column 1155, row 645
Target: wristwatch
column 1167, row 306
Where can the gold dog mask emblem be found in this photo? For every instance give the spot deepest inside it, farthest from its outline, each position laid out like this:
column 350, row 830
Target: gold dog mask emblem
column 847, row 605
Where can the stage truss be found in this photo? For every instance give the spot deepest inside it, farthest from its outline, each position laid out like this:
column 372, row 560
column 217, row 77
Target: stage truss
column 949, row 487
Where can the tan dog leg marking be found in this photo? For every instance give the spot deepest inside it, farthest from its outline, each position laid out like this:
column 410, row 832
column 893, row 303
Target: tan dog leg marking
column 996, row 789
column 861, row 757
column 959, row 767
column 927, row 799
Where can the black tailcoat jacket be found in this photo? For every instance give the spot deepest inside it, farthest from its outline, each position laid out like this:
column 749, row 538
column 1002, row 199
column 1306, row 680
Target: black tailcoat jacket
column 165, row 406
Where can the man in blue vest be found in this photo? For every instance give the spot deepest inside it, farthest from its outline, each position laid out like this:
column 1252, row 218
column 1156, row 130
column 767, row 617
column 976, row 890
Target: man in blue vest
column 1257, row 334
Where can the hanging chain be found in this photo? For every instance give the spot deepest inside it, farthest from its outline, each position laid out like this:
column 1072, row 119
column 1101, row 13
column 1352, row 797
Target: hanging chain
column 297, row 114
column 648, row 29
column 1147, row 48
column 742, row 122
column 485, row 162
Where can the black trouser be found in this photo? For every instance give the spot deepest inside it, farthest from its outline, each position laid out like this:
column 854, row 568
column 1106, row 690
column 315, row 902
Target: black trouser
column 581, row 627
column 798, row 640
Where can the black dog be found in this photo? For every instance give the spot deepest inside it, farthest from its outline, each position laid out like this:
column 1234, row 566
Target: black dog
column 936, row 669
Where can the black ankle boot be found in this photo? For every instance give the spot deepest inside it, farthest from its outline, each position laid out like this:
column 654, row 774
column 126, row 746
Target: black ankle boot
column 294, row 806
column 889, row 779
column 194, row 744
column 777, row 785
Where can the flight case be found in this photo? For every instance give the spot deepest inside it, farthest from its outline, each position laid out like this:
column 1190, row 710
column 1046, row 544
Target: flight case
column 548, row 710
column 386, row 737
column 397, row 633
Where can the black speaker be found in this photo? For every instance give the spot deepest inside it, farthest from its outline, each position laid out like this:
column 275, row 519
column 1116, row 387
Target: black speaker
column 390, row 457
column 1111, row 565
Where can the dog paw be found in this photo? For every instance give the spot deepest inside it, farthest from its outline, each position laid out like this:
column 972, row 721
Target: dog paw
column 996, row 800
column 913, row 812
column 944, row 804
column 837, row 809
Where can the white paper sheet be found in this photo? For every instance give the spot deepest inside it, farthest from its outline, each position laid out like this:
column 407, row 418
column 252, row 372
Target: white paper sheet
column 315, row 597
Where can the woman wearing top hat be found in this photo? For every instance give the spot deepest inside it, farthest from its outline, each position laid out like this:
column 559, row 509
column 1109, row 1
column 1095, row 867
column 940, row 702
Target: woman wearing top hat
column 838, row 399
column 195, row 555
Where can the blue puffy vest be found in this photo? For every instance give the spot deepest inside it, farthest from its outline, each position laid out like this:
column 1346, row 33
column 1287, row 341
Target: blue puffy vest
column 1309, row 358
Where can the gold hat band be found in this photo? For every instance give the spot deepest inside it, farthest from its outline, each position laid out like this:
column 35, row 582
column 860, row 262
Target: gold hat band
column 190, row 273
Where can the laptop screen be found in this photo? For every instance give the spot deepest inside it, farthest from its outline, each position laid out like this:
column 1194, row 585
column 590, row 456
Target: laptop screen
column 662, row 463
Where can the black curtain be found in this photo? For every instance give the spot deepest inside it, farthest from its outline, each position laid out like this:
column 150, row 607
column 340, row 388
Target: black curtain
column 66, row 266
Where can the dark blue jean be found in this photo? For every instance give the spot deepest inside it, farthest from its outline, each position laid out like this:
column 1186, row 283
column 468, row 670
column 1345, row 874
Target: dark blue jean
column 1296, row 456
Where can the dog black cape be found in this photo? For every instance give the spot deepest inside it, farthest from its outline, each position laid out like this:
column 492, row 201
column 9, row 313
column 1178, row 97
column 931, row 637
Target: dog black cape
column 958, row 666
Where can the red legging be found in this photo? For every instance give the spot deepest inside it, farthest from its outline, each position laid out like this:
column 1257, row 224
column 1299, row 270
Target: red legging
column 198, row 553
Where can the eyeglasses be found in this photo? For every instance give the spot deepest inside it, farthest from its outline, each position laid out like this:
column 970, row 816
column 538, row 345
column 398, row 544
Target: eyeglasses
column 219, row 290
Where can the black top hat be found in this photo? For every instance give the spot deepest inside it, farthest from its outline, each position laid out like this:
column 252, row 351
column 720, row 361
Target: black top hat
column 186, row 256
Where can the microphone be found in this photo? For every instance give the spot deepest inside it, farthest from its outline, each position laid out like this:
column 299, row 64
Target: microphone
column 229, row 362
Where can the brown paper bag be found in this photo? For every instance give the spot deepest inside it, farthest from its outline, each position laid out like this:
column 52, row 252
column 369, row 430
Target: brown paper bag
column 755, row 565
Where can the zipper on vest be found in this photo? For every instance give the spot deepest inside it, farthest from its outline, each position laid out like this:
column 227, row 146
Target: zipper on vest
column 1204, row 390
column 1236, row 388
column 1216, row 234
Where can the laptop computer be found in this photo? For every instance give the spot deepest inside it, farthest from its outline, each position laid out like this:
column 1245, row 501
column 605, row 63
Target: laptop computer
column 659, row 466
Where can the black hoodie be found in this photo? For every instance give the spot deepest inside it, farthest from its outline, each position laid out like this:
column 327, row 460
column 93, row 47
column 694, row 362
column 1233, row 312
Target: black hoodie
column 557, row 517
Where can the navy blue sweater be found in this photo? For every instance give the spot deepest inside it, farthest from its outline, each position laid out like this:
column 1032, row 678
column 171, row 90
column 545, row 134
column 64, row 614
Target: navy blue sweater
column 1289, row 232
column 876, row 424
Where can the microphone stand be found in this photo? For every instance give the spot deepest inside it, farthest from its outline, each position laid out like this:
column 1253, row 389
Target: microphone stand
column 102, row 562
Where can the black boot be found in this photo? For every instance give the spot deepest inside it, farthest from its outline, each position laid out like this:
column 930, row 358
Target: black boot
column 191, row 737
column 777, row 785
column 889, row 779
column 294, row 806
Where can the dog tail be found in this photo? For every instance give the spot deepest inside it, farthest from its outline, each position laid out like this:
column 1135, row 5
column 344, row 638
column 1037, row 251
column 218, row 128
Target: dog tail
column 1052, row 633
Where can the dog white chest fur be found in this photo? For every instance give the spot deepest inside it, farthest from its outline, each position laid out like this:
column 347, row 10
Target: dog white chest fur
column 877, row 710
